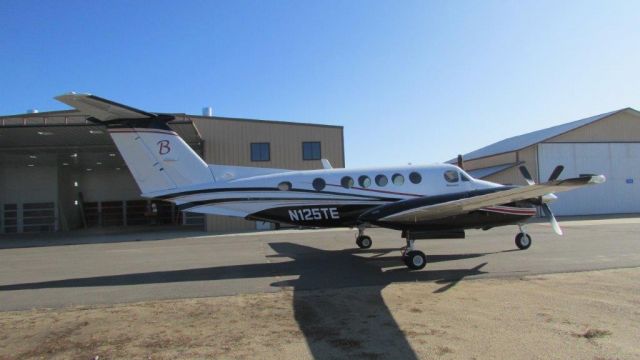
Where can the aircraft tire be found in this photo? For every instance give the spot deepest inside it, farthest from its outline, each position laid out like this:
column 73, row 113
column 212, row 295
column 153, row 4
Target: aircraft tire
column 415, row 260
column 523, row 241
column 364, row 242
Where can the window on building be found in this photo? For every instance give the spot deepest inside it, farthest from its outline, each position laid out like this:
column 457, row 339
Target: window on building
column 260, row 152
column 311, row 150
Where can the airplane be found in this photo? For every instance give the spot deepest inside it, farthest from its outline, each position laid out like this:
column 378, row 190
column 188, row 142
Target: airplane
column 424, row 202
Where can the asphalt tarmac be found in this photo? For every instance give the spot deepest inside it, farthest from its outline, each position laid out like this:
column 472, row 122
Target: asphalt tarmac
column 163, row 267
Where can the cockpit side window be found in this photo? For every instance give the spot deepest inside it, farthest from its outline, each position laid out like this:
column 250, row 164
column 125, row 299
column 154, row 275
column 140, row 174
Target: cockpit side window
column 464, row 177
column 451, row 176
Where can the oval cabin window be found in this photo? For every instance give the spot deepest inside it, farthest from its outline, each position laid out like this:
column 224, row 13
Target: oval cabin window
column 284, row 186
column 347, row 182
column 381, row 180
column 397, row 179
column 364, row 181
column 415, row 178
column 319, row 184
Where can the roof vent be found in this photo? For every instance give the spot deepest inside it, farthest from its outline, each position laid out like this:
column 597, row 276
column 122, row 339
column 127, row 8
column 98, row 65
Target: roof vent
column 32, row 111
column 207, row 111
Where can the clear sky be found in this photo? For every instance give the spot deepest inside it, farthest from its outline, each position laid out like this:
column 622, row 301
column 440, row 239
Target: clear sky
column 410, row 81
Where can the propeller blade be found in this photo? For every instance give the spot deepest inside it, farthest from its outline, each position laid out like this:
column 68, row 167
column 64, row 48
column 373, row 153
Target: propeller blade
column 556, row 172
column 527, row 176
column 552, row 219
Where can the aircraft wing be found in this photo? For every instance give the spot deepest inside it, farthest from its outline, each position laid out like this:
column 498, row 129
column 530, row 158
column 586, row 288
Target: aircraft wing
column 102, row 109
column 398, row 213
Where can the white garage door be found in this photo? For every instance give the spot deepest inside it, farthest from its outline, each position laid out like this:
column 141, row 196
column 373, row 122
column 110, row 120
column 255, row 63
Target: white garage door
column 619, row 162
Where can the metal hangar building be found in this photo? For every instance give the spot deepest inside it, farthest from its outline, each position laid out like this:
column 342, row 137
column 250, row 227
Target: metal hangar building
column 606, row 144
column 59, row 171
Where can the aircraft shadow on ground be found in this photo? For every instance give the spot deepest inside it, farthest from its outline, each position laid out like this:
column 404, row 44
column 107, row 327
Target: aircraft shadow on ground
column 322, row 319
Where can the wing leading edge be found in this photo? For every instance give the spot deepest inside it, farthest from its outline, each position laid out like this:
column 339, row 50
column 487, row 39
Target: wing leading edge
column 422, row 212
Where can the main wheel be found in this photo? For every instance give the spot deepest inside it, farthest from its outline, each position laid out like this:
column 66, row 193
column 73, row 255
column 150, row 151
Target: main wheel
column 523, row 241
column 364, row 242
column 415, row 260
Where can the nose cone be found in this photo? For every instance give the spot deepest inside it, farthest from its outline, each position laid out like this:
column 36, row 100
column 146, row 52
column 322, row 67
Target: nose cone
column 549, row 198
column 598, row 179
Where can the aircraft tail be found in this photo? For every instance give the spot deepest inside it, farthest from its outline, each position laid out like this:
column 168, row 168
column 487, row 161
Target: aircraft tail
column 157, row 157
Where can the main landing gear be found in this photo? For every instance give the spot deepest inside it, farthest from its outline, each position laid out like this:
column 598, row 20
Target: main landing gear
column 414, row 259
column 363, row 241
column 523, row 240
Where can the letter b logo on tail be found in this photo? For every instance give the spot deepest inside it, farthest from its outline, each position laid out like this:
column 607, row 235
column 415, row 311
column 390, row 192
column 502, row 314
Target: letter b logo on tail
column 163, row 147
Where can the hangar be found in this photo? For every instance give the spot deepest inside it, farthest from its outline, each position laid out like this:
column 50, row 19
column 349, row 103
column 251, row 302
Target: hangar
column 59, row 172
column 606, row 144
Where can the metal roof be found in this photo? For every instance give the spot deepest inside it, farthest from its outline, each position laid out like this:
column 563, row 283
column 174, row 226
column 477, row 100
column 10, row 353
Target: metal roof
column 484, row 172
column 522, row 141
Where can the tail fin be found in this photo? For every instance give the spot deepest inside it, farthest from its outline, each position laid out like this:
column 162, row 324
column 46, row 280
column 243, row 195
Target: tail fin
column 158, row 158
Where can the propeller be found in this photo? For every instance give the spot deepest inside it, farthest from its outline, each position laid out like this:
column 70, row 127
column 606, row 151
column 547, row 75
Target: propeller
column 544, row 200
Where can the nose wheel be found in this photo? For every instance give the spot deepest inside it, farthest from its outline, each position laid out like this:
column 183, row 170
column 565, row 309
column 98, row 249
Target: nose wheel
column 523, row 240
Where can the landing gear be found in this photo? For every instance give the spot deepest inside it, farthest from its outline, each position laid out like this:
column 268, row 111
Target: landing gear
column 523, row 240
column 414, row 259
column 363, row 241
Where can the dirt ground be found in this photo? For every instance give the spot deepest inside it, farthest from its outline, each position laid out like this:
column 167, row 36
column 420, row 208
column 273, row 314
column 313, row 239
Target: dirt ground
column 588, row 315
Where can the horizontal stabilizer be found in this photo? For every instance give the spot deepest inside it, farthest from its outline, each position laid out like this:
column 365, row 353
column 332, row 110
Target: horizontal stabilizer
column 102, row 109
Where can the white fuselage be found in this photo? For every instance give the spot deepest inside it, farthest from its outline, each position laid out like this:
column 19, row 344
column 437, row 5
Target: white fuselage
column 238, row 193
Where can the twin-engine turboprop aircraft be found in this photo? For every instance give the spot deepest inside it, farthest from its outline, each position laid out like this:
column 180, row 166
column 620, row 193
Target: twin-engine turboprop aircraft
column 424, row 202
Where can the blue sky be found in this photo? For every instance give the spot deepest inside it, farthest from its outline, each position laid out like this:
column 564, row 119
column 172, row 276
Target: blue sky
column 411, row 81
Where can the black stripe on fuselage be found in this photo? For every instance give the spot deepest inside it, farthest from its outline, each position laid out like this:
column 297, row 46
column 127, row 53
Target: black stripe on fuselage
column 249, row 189
column 193, row 204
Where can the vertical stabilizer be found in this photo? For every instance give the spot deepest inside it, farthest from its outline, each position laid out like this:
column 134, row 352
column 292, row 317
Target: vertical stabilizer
column 157, row 157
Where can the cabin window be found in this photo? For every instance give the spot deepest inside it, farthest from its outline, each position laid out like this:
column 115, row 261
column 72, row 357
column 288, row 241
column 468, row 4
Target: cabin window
column 415, row 178
column 364, row 181
column 451, row 176
column 319, row 184
column 284, row 186
column 397, row 179
column 260, row 152
column 347, row 182
column 381, row 180
column 311, row 150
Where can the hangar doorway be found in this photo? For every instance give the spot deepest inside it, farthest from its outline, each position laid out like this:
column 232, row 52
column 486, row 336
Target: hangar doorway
column 60, row 173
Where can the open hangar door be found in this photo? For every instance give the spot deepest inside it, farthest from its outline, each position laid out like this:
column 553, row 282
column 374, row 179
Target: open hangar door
column 619, row 162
